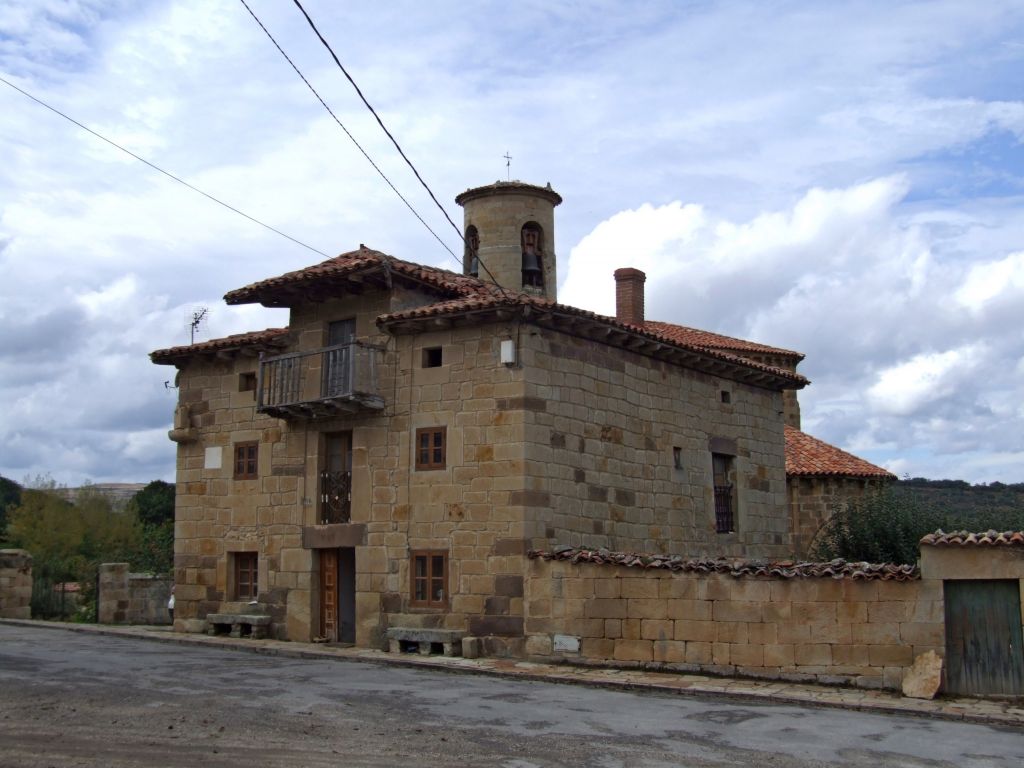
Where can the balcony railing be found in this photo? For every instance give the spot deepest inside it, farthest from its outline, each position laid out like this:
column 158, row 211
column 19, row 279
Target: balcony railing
column 322, row 383
column 335, row 497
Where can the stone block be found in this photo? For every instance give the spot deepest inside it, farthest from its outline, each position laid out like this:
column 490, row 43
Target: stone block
column 669, row 651
column 813, row 654
column 891, row 656
column 698, row 653
column 923, row 679
column 601, row 608
column 702, row 631
column 656, row 629
column 633, row 650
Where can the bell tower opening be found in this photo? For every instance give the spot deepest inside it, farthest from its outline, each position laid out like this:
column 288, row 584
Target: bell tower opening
column 471, row 259
column 532, row 237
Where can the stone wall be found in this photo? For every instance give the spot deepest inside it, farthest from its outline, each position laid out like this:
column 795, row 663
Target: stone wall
column 131, row 598
column 604, row 429
column 813, row 500
column 15, row 584
column 861, row 632
column 582, row 452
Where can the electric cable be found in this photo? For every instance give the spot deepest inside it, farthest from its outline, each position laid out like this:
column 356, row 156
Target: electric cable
column 155, row 167
column 347, row 132
column 393, row 141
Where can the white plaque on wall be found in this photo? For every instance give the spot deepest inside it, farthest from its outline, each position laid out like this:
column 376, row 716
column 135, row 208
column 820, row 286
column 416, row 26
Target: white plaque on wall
column 566, row 643
column 213, row 457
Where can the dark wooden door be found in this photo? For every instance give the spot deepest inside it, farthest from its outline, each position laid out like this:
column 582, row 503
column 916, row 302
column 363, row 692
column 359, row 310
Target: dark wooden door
column 983, row 637
column 337, row 365
column 329, row 594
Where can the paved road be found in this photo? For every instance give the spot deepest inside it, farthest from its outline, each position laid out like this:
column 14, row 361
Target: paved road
column 70, row 699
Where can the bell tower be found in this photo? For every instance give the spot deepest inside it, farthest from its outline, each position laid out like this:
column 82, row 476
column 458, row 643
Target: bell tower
column 510, row 236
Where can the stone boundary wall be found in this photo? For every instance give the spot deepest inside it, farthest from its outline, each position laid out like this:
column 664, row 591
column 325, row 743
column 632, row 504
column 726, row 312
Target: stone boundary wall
column 863, row 632
column 132, row 598
column 15, row 584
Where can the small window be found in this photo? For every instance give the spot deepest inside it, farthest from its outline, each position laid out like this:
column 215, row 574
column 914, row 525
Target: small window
column 677, row 457
column 247, row 382
column 428, row 579
column 726, row 396
column 723, row 469
column 246, row 575
column 246, row 455
column 431, row 447
column 432, row 357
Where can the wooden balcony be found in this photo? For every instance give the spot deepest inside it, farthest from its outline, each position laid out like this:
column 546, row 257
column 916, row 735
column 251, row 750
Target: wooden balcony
column 326, row 382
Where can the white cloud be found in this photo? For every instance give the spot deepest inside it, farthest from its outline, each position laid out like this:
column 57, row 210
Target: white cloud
column 908, row 386
column 990, row 279
column 840, row 180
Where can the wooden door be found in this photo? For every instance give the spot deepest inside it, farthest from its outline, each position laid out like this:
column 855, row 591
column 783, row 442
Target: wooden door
column 983, row 637
column 329, row 594
column 337, row 364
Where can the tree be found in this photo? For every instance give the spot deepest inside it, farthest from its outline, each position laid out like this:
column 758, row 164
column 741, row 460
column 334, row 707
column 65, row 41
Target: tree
column 69, row 541
column 10, row 497
column 153, row 508
column 886, row 525
column 154, row 504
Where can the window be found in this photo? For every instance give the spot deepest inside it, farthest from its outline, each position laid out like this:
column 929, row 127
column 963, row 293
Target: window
column 726, row 396
column 723, row 469
column 247, row 382
column 245, row 460
column 429, row 579
column 246, row 575
column 677, row 457
column 431, row 447
column 432, row 357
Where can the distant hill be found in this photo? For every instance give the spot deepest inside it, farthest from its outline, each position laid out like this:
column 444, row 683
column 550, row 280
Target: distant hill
column 998, row 506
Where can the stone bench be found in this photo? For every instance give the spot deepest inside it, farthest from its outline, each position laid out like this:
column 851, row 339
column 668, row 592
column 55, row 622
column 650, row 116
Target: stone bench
column 255, row 626
column 406, row 639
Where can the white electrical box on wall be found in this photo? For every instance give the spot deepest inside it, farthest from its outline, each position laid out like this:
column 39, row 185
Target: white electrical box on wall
column 508, row 352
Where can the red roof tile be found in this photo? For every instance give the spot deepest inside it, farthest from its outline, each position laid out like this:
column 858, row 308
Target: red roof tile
column 967, row 539
column 698, row 338
column 809, row 456
column 787, row 569
column 352, row 263
column 271, row 337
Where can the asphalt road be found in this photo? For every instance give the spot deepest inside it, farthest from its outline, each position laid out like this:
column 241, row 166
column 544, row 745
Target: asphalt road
column 71, row 699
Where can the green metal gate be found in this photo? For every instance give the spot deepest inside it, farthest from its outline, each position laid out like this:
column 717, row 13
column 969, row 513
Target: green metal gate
column 983, row 637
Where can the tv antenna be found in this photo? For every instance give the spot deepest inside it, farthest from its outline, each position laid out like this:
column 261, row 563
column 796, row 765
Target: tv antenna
column 196, row 320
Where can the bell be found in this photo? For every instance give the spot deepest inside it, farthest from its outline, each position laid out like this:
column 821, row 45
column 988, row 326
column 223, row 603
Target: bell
column 531, row 264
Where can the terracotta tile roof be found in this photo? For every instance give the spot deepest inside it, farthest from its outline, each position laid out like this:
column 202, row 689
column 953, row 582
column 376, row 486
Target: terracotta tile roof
column 967, row 539
column 787, row 569
column 359, row 262
column 698, row 338
column 269, row 338
column 809, row 456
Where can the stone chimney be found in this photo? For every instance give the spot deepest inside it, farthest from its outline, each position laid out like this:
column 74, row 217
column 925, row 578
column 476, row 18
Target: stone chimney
column 629, row 296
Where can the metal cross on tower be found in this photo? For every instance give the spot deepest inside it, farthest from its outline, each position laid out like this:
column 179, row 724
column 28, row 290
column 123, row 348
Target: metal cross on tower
column 508, row 165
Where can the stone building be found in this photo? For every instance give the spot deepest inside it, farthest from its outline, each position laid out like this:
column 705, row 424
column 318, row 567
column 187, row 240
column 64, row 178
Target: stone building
column 388, row 459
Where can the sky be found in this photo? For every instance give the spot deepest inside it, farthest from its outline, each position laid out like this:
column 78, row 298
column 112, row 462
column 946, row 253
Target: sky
column 845, row 179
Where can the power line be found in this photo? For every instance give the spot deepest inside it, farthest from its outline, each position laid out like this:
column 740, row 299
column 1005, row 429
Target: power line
column 347, row 133
column 393, row 140
column 168, row 174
